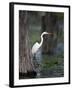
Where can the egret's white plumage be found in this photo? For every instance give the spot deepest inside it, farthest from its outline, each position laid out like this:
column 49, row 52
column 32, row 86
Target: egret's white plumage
column 37, row 45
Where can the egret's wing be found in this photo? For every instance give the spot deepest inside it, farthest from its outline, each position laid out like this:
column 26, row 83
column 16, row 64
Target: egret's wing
column 35, row 47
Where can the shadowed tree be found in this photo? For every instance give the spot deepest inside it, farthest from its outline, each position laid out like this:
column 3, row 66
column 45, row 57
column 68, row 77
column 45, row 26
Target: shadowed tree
column 49, row 24
column 25, row 57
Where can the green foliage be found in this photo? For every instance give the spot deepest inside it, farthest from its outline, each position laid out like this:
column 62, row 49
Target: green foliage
column 34, row 34
column 60, row 15
column 51, row 61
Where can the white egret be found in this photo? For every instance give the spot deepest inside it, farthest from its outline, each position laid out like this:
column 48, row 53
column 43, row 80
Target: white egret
column 37, row 45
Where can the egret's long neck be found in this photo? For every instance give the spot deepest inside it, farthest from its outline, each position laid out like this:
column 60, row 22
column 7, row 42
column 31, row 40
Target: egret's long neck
column 41, row 40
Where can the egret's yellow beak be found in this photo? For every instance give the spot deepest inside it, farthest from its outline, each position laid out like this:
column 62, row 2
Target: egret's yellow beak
column 50, row 33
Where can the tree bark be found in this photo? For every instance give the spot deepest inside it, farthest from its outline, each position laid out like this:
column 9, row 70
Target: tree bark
column 25, row 56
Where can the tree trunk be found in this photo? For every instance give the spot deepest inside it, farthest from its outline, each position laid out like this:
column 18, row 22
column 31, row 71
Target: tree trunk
column 25, row 56
column 49, row 24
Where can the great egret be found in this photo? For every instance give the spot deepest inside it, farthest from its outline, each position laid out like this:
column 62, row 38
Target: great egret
column 37, row 45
